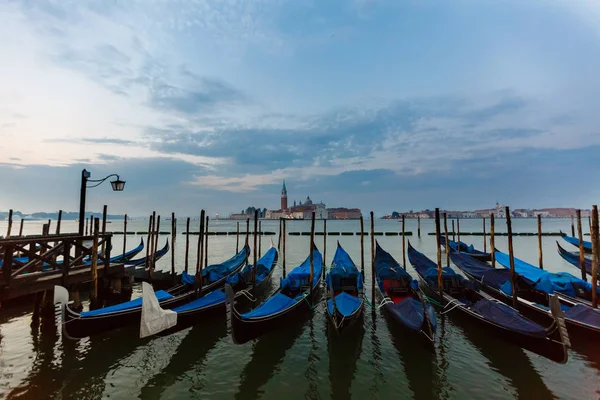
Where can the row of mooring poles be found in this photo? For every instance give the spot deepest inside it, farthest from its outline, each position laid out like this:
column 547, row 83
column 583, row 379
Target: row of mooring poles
column 595, row 236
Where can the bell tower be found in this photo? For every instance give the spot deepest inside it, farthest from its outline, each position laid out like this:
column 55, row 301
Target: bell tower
column 284, row 204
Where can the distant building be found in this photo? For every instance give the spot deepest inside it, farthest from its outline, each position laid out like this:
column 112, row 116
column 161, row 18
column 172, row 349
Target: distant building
column 238, row 216
column 284, row 204
column 344, row 213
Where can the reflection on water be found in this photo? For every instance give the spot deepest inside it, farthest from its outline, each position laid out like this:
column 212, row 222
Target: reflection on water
column 303, row 360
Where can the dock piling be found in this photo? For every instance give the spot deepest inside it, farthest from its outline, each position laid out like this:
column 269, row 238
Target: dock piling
column 94, row 295
column 312, row 261
column 247, row 230
column 104, row 210
column 124, row 237
column 259, row 239
column 148, row 241
column 453, row 232
column 581, row 253
column 21, row 227
column 206, row 243
column 255, row 257
column 324, row 246
column 155, row 233
column 372, row 258
column 200, row 250
column 484, row 237
column 458, row 234
column 173, row 238
column 58, row 222
column 513, row 277
column 187, row 244
column 439, row 251
column 596, row 255
column 540, row 251
column 492, row 240
column 10, row 222
column 572, row 227
column 446, row 239
column 283, row 238
column 362, row 247
column 419, row 225
column 237, row 238
column 403, row 242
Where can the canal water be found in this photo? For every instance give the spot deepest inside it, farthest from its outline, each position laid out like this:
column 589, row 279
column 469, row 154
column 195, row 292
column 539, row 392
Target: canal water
column 303, row 361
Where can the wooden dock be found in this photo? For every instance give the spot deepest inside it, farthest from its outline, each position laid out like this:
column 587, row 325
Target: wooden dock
column 32, row 264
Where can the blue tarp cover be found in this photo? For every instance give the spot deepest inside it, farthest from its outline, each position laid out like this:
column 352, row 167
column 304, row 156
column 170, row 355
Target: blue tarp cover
column 265, row 264
column 575, row 242
column 409, row 312
column 217, row 271
column 345, row 303
column 386, row 267
column 545, row 281
column 301, row 274
column 584, row 314
column 469, row 249
column 135, row 303
column 217, row 296
column 507, row 317
column 342, row 267
column 272, row 305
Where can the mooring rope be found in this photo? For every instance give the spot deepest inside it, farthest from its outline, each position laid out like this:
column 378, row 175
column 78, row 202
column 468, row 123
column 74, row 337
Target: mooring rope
column 456, row 304
column 248, row 295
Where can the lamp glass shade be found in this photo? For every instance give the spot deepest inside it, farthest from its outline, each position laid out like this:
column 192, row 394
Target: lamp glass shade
column 118, row 185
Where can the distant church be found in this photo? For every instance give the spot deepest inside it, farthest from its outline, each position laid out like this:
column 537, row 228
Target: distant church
column 299, row 211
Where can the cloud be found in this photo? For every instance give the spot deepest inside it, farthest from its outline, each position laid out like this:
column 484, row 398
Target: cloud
column 92, row 140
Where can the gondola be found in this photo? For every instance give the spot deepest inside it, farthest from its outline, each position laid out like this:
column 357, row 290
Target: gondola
column 565, row 285
column 142, row 261
column 469, row 249
column 215, row 302
column 461, row 294
column 123, row 258
column 79, row 325
column 402, row 300
column 345, row 287
column 587, row 246
column 573, row 258
column 291, row 301
column 534, row 300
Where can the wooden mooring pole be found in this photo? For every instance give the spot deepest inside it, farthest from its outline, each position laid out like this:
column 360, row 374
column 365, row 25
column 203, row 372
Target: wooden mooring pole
column 198, row 280
column 149, row 241
column 492, row 240
column 590, row 224
column 540, row 251
column 581, row 252
column 312, row 261
column 419, row 225
column 173, row 239
column 187, row 245
column 324, row 247
column 595, row 234
column 58, row 222
column 484, row 237
column 372, row 258
column 362, row 247
column 155, row 242
column 403, row 241
column 247, row 230
column 439, row 251
column 254, row 253
column 49, row 223
column 237, row 238
column 511, row 254
column 124, row 236
column 446, row 239
column 283, row 235
column 87, row 221
column 104, row 210
column 21, row 227
column 94, row 295
column 453, row 232
column 572, row 227
column 279, row 236
column 10, row 222
column 458, row 234
column 259, row 239
column 206, row 243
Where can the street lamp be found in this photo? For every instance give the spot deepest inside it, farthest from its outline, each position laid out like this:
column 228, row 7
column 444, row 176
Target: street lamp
column 117, row 185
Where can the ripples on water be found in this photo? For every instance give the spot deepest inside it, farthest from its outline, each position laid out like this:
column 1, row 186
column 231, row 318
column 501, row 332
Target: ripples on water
column 303, row 360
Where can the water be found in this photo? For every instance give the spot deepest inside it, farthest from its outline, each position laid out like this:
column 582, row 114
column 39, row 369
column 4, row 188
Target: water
column 300, row 361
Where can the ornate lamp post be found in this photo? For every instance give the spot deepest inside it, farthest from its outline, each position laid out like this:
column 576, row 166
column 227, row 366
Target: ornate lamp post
column 117, row 185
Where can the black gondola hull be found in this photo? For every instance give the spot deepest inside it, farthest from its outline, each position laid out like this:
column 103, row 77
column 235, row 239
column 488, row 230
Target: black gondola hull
column 343, row 323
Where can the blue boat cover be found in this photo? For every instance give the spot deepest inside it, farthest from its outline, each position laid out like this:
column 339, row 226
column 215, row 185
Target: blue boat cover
column 575, row 242
column 217, row 271
column 429, row 272
column 345, row 303
column 128, row 305
column 465, row 248
column 573, row 259
column 496, row 278
column 301, row 274
column 584, row 314
column 342, row 267
column 507, row 317
column 272, row 305
column 386, row 267
column 265, row 264
column 214, row 297
column 157, row 256
column 409, row 312
column 545, row 281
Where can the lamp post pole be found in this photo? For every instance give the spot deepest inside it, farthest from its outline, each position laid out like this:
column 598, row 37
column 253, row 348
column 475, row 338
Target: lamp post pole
column 84, row 177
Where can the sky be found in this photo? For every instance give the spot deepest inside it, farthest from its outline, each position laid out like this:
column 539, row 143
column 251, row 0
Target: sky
column 376, row 104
